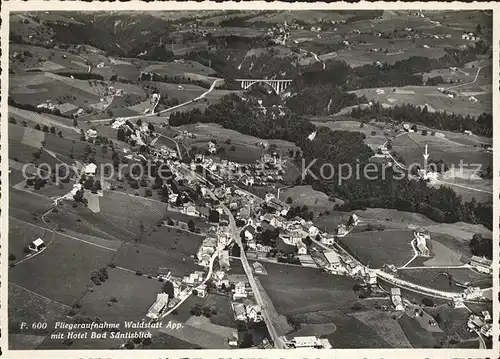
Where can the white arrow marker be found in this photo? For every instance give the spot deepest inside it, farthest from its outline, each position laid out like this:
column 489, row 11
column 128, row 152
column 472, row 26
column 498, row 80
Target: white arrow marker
column 426, row 154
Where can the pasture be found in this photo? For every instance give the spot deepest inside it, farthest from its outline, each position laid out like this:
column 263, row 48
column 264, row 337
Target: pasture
column 373, row 140
column 138, row 256
column 296, row 290
column 376, row 248
column 365, row 337
column 22, row 234
column 24, row 306
column 66, row 264
column 381, row 322
column 411, row 147
column 169, row 239
column 428, row 96
column 307, row 196
column 116, row 207
column 446, row 279
column 134, row 295
column 178, row 68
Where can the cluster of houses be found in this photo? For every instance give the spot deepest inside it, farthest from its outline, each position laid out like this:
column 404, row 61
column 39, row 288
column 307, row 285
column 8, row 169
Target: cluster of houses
column 269, row 171
column 481, row 323
column 216, row 239
column 65, row 109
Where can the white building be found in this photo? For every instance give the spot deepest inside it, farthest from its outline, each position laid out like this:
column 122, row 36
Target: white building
column 333, row 259
column 305, row 342
column 201, row 290
column 90, row 169
column 240, row 291
column 157, row 308
column 37, row 245
column 396, row 299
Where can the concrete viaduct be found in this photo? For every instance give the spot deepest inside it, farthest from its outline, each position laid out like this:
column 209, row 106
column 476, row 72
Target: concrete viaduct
column 278, row 85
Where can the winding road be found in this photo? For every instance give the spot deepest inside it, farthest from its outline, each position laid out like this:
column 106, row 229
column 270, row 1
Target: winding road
column 212, row 87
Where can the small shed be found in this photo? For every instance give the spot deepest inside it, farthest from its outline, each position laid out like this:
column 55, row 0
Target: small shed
column 37, row 245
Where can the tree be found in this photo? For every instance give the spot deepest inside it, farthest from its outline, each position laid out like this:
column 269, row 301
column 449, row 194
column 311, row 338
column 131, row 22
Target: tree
column 53, row 130
column 427, row 302
column 307, row 241
column 374, row 133
column 479, row 29
column 37, row 127
column 214, row 216
column 424, row 132
column 138, row 122
column 45, row 128
column 480, row 246
column 75, row 122
column 247, row 340
column 414, row 128
column 168, row 288
column 235, row 251
column 289, row 200
column 191, row 225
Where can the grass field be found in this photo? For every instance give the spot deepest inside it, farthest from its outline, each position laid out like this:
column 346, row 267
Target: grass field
column 419, row 337
column 374, row 141
column 22, row 234
column 412, row 145
column 166, row 239
column 66, row 265
column 376, row 248
column 381, row 322
column 149, row 260
column 295, row 290
column 446, row 251
column 134, row 295
column 365, row 337
column 438, row 278
column 307, row 196
column 116, row 207
column 429, row 96
column 24, row 306
column 178, row 69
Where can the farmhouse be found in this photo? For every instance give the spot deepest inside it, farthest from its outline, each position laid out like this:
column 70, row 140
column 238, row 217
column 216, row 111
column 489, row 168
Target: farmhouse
column 301, row 248
column 201, row 290
column 220, row 279
column 239, row 311
column 482, row 264
column 239, row 291
column 342, row 230
column 467, row 132
column 37, row 245
column 422, row 236
column 327, row 239
column 249, row 231
column 158, row 306
column 305, row 342
column 258, row 268
column 67, row 109
column 334, row 263
column 396, row 299
column 90, row 169
column 254, row 313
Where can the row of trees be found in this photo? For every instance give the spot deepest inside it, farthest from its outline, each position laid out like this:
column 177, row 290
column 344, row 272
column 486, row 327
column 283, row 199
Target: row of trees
column 481, row 125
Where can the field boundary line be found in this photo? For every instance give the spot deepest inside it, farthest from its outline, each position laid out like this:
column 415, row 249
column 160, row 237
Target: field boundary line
column 39, row 295
column 65, row 235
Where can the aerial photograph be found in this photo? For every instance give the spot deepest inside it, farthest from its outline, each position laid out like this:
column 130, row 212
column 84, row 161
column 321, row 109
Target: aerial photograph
column 228, row 179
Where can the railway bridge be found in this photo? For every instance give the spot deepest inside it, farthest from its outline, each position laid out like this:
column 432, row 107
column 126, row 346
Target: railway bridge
column 277, row 85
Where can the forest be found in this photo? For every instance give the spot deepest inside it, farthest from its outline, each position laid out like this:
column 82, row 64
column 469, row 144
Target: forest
column 386, row 190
